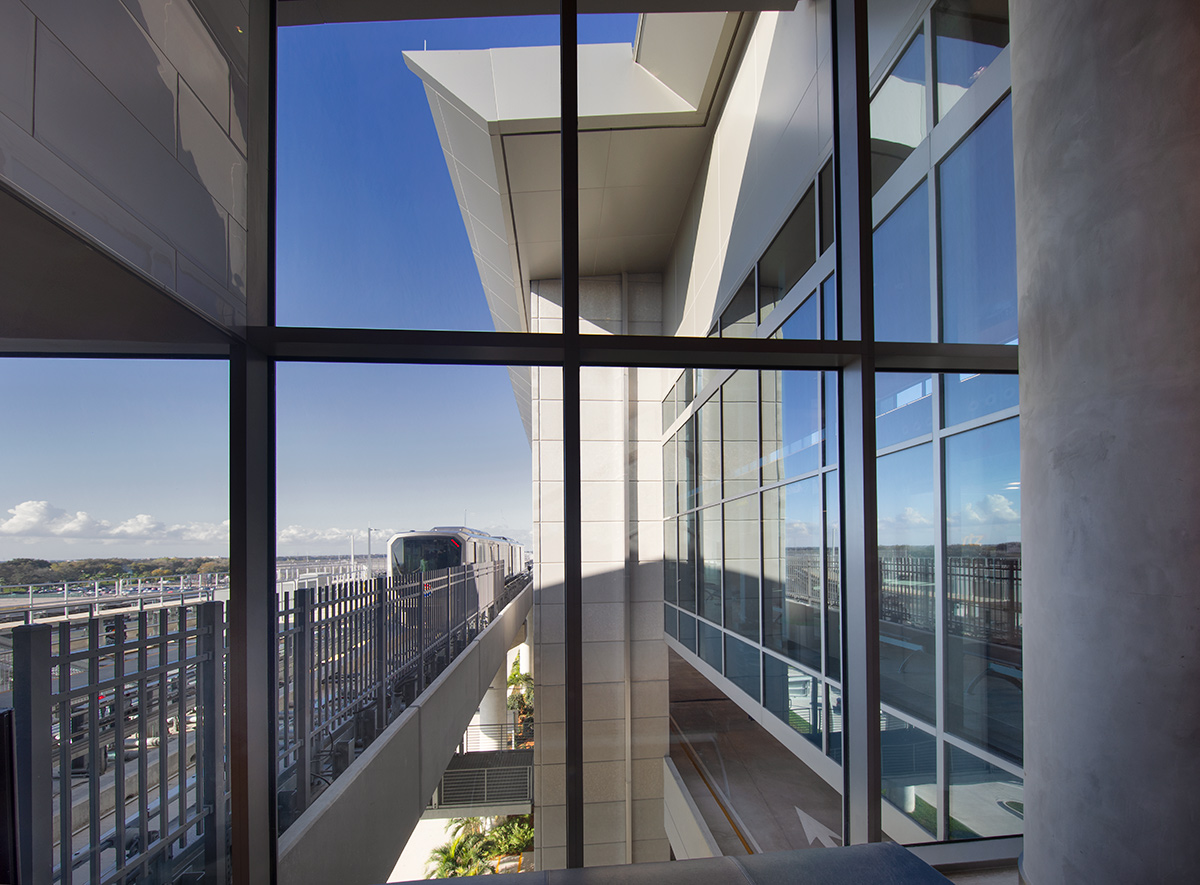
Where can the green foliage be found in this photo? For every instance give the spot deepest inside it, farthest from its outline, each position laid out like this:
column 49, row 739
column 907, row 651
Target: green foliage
column 475, row 850
column 15, row 572
column 520, row 695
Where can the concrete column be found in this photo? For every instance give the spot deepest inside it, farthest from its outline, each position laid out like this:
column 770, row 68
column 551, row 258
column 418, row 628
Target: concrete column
column 1107, row 153
column 493, row 712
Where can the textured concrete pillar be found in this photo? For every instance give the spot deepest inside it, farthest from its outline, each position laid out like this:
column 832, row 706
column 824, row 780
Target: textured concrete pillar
column 1107, row 151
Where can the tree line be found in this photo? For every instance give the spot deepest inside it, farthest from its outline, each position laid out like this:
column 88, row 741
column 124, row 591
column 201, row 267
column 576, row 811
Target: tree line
column 43, row 571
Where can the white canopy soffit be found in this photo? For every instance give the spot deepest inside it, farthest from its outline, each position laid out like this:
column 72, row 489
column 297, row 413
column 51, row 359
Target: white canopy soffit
column 643, row 115
column 313, row 12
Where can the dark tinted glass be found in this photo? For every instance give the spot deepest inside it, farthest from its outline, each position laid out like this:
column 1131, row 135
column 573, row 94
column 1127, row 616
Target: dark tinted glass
column 789, row 256
column 671, row 620
column 708, row 641
column 834, row 725
column 833, row 577
column 688, row 543
column 901, row 247
column 670, row 560
column 687, row 631
column 709, row 588
column 793, row 696
column 828, row 221
column 738, row 319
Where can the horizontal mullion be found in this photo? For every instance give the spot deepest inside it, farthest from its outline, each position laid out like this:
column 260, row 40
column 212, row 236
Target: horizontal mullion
column 962, row 358
column 714, row 353
column 290, row 343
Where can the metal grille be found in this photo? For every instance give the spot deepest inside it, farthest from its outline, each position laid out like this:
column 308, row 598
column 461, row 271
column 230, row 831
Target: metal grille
column 354, row 654
column 504, row 777
column 120, row 731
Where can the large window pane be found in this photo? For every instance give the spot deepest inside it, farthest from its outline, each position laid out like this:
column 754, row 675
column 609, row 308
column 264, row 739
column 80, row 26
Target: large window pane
column 671, row 561
column 834, row 750
column 833, row 577
column 792, row 571
column 670, row 485
column 741, row 666
column 984, row 674
column 967, row 37
column 791, row 424
column 793, row 696
column 909, row 769
column 902, row 293
column 739, row 423
column 903, row 407
column 907, row 531
column 709, row 644
column 709, row 447
column 710, row 574
column 804, row 322
column 965, row 397
column 741, row 566
column 978, row 225
column 739, row 319
column 898, row 114
column 789, row 256
column 985, row 800
column 688, row 560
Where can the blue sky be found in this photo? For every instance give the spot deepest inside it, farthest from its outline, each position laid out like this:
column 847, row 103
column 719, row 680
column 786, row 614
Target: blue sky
column 129, row 458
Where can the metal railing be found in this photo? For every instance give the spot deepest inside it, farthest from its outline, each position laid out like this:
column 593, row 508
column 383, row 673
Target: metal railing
column 33, row 603
column 504, row 777
column 500, row 736
column 119, row 741
column 353, row 655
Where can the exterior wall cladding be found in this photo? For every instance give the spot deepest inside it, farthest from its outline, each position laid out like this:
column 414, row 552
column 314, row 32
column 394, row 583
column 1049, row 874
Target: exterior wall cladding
column 140, row 140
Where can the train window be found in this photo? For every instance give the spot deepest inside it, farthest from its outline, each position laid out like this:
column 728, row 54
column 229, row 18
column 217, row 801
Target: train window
column 427, row 554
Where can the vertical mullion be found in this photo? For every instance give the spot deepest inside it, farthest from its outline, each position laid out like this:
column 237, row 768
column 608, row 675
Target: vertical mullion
column 572, row 504
column 860, row 585
column 939, row 608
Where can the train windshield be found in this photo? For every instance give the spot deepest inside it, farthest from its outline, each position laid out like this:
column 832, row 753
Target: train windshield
column 428, row 554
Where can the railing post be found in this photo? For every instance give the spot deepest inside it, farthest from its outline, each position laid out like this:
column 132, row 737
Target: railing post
column 211, row 758
column 381, row 655
column 303, row 696
column 32, row 707
column 420, row 632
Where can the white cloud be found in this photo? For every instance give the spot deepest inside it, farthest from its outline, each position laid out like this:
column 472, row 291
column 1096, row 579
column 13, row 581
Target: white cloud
column 991, row 510
column 41, row 519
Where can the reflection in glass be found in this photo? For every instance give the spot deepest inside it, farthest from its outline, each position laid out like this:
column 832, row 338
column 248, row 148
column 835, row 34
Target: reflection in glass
column 741, row 566
column 710, row 572
column 828, row 222
column 829, row 308
column 739, row 422
column 708, row 644
column 741, row 666
column 898, row 114
column 909, row 770
column 901, row 249
column 984, row 674
column 804, row 322
column 709, row 445
column 790, row 255
column 671, row 620
column 687, row 561
column 687, row 632
column 967, row 37
column 688, row 463
column 738, row 320
column 793, row 696
column 791, row 423
column 670, row 487
column 668, row 409
column 835, row 725
column 907, row 617
column 903, row 407
column 978, row 224
column 985, row 800
column 830, row 380
column 792, row 571
column 833, row 577
column 965, row 397
column 671, row 561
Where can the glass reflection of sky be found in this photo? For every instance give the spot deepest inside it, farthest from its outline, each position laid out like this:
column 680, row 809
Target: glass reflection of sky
column 983, row 485
column 901, row 250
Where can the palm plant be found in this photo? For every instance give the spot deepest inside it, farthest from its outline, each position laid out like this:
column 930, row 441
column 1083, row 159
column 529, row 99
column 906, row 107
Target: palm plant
column 464, row 855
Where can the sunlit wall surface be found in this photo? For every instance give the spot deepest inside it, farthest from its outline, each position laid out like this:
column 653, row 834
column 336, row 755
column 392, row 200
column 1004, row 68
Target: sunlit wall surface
column 140, row 136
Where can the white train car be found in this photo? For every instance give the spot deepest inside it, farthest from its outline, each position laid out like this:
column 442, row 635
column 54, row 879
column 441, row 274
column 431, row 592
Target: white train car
column 449, row 547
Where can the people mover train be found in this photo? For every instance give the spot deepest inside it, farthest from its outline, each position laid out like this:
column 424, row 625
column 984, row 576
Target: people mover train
column 449, row 547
